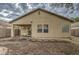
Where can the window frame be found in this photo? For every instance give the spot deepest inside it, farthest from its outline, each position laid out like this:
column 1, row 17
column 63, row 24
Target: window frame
column 38, row 29
column 42, row 28
column 65, row 28
column 45, row 25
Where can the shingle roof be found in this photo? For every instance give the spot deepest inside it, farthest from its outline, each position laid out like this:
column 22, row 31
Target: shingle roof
column 44, row 11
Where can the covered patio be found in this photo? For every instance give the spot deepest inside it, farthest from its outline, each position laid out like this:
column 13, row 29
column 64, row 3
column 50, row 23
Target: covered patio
column 22, row 29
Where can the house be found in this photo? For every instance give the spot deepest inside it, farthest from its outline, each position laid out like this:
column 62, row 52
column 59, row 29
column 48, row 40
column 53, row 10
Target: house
column 75, row 29
column 41, row 23
column 5, row 29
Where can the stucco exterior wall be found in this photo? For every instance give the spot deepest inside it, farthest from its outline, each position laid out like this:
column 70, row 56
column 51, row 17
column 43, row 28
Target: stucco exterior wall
column 55, row 24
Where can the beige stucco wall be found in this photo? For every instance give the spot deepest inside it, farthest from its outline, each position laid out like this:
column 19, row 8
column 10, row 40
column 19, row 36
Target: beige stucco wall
column 55, row 24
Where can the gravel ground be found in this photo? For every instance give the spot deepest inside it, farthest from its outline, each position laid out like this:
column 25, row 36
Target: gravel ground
column 26, row 47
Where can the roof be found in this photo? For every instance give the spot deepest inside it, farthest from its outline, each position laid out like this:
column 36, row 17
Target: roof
column 44, row 11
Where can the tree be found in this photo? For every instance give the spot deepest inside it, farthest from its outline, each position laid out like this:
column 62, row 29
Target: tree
column 76, row 19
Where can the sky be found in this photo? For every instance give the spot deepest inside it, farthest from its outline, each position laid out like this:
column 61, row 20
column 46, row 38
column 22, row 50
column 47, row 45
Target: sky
column 10, row 11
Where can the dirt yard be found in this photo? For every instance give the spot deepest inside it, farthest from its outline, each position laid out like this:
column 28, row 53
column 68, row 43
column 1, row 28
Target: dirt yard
column 26, row 47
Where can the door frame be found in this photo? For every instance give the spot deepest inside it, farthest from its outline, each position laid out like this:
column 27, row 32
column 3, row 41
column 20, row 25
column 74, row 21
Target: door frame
column 17, row 32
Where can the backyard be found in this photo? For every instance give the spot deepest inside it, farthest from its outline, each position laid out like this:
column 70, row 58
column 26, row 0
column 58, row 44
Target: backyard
column 28, row 47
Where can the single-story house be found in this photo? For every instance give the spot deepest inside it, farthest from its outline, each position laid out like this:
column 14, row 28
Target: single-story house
column 75, row 29
column 41, row 23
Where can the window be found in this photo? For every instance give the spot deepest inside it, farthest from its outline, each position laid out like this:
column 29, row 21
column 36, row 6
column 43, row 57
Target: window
column 65, row 28
column 42, row 28
column 39, row 27
column 45, row 28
